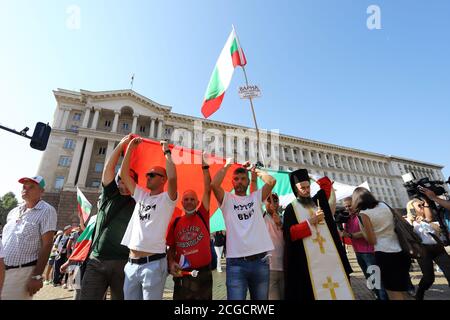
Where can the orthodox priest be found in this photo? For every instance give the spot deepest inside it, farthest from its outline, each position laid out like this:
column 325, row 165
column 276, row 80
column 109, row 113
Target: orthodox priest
column 316, row 266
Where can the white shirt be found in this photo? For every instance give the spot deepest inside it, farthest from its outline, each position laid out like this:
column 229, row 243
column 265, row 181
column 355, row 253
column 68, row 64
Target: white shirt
column 147, row 228
column 23, row 231
column 2, row 254
column 246, row 231
column 383, row 226
column 423, row 229
column 276, row 234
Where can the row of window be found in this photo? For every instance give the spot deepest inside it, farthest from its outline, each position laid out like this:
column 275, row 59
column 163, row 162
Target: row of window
column 65, row 161
column 59, row 183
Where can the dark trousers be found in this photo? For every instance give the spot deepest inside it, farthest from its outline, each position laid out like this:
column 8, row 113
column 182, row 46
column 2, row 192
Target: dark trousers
column 433, row 253
column 57, row 275
column 190, row 288
column 365, row 260
column 101, row 274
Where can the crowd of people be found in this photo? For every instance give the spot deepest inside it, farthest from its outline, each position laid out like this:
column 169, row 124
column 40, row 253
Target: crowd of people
column 292, row 253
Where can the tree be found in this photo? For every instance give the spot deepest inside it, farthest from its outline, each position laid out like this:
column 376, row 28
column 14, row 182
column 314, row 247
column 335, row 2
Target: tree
column 7, row 203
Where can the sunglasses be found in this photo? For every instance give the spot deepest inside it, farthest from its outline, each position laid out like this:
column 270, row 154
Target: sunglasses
column 275, row 200
column 153, row 174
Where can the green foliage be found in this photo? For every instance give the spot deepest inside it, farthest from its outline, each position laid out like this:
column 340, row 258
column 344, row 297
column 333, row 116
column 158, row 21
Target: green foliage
column 7, row 203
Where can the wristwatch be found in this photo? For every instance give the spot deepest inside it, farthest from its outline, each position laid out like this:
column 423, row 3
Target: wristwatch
column 38, row 277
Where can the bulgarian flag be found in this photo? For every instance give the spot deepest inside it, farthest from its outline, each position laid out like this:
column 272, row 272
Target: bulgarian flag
column 230, row 57
column 84, row 241
column 84, row 206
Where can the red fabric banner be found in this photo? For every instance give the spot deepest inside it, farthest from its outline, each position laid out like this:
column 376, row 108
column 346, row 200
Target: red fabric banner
column 189, row 169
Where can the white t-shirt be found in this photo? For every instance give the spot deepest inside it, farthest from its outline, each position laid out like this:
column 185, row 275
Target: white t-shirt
column 383, row 226
column 2, row 254
column 246, row 230
column 276, row 234
column 423, row 229
column 147, row 228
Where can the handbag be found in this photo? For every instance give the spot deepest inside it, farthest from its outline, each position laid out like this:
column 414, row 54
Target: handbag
column 410, row 242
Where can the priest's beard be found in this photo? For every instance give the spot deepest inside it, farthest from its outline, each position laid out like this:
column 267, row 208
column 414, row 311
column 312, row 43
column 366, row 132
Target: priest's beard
column 306, row 201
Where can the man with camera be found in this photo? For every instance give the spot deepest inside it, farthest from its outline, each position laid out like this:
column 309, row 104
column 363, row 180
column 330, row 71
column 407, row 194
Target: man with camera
column 433, row 197
column 363, row 250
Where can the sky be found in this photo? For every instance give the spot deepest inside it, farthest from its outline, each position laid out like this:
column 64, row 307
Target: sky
column 323, row 73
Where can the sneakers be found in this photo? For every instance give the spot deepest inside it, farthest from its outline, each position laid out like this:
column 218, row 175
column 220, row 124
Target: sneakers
column 65, row 286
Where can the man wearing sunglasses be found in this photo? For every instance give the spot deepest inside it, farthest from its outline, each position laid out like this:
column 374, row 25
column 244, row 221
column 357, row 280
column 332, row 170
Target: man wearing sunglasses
column 146, row 270
column 275, row 228
column 189, row 242
column 248, row 241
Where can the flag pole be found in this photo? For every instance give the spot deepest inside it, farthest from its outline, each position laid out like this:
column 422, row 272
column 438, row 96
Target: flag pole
column 251, row 102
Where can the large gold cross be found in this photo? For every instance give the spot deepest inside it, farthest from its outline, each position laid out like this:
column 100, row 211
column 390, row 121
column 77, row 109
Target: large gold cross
column 331, row 286
column 320, row 240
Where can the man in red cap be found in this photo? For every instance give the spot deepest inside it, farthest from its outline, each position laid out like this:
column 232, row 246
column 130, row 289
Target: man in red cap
column 27, row 241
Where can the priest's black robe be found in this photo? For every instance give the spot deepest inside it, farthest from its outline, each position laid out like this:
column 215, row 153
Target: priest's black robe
column 297, row 279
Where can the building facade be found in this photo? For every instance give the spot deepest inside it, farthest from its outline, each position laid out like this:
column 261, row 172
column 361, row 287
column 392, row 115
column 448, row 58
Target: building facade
column 88, row 125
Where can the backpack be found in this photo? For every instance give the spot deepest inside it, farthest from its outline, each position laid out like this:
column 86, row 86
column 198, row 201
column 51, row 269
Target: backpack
column 410, row 242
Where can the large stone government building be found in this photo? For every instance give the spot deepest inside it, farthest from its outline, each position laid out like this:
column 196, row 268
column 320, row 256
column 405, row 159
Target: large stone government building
column 88, row 125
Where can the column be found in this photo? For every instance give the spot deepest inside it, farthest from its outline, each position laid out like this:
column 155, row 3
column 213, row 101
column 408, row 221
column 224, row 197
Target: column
column 134, row 125
column 152, row 129
column 109, row 150
column 87, row 114
column 283, row 154
column 340, row 162
column 327, row 163
column 293, row 155
column 300, row 156
column 75, row 161
column 319, row 162
column 95, row 120
column 85, row 162
column 65, row 119
column 160, row 128
column 309, row 155
column 116, row 121
column 58, row 118
column 347, row 160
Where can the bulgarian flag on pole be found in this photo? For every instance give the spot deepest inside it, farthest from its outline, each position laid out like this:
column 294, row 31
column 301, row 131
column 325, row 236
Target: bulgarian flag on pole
column 230, row 57
column 84, row 206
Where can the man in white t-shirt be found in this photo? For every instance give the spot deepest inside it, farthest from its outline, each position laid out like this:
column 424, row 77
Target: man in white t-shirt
column 248, row 241
column 146, row 270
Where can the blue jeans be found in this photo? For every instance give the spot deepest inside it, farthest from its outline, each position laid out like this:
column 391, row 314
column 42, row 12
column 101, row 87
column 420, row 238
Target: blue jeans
column 366, row 260
column 245, row 274
column 145, row 281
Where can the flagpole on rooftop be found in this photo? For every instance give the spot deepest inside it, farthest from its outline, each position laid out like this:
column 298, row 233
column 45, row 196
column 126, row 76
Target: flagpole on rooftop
column 251, row 101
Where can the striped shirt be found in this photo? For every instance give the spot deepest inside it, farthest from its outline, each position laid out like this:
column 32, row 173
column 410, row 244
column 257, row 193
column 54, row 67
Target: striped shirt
column 23, row 230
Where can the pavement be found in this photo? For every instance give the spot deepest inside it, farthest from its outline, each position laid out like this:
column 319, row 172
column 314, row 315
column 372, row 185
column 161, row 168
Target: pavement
column 439, row 291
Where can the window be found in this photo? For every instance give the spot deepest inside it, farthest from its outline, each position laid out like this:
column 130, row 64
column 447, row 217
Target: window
column 107, row 123
column 295, row 151
column 59, row 182
column 142, row 129
column 125, row 126
column 74, row 128
column 341, row 177
column 99, row 167
column 348, row 178
column 102, row 150
column 69, row 144
column 64, row 161
column 168, row 131
column 95, row 184
column 77, row 117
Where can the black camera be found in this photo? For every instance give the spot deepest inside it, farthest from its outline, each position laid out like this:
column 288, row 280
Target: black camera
column 412, row 187
column 341, row 216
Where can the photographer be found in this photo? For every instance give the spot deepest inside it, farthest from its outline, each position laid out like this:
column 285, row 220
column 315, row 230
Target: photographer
column 420, row 215
column 363, row 250
column 432, row 196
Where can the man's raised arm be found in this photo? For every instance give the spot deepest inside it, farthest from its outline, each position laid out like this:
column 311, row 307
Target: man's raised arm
column 125, row 169
column 171, row 172
column 111, row 163
column 216, row 184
